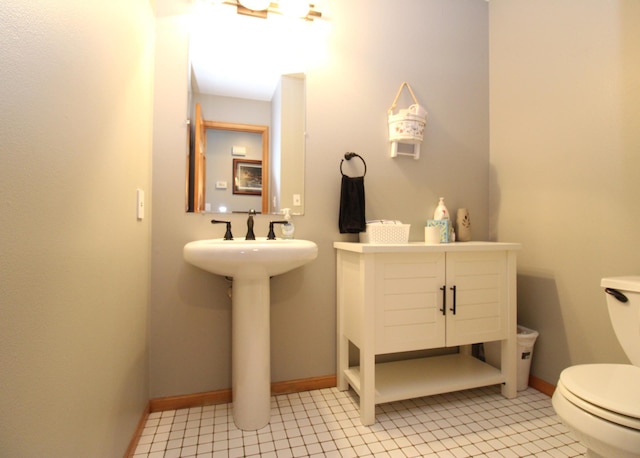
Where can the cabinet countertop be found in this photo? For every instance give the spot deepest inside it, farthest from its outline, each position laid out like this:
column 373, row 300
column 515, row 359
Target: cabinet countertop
column 422, row 247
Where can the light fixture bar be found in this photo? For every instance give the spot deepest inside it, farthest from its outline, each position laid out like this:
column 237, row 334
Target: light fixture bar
column 313, row 14
column 262, row 14
column 272, row 8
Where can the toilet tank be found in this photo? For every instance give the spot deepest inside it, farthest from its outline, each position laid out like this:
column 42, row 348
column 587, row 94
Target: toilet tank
column 625, row 316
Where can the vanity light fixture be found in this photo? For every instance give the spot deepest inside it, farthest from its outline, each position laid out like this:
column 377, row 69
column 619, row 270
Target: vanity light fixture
column 256, row 5
column 261, row 8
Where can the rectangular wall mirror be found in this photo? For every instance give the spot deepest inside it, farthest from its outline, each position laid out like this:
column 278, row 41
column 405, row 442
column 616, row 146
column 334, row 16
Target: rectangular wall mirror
column 239, row 113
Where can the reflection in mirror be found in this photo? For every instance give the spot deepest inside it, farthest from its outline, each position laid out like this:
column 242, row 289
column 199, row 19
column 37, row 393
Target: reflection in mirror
column 239, row 152
column 280, row 148
column 228, row 97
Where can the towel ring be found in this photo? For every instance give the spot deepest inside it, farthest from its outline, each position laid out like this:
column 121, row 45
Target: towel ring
column 348, row 157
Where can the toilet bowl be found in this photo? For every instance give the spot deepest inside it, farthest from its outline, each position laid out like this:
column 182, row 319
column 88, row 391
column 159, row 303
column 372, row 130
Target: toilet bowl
column 600, row 403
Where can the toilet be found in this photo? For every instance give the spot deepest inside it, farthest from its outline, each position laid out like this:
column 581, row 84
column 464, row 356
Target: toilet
column 600, row 403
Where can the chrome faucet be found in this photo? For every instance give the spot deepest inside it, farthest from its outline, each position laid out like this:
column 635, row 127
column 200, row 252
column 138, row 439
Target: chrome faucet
column 250, row 235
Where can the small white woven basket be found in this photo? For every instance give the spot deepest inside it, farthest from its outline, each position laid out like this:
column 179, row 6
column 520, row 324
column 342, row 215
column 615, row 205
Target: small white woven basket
column 385, row 233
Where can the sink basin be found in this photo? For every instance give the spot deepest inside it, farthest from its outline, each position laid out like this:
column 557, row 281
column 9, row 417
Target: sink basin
column 250, row 263
column 249, row 258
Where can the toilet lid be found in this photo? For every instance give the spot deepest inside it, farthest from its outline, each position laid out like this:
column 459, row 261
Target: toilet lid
column 614, row 387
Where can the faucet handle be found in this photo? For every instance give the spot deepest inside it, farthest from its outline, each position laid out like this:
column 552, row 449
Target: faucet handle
column 272, row 235
column 228, row 235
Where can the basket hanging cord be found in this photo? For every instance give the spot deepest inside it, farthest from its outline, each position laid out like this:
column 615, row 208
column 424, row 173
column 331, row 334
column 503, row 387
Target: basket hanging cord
column 348, row 157
column 395, row 101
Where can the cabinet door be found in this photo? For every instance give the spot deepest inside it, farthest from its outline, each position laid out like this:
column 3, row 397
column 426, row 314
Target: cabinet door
column 479, row 311
column 409, row 301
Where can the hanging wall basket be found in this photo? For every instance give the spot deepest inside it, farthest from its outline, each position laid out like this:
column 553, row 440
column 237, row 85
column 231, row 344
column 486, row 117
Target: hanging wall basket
column 406, row 126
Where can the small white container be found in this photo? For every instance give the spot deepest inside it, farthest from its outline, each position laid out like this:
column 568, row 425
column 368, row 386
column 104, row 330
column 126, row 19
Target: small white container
column 385, row 233
column 432, row 234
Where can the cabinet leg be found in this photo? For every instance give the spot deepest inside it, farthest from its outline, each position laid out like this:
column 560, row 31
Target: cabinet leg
column 509, row 368
column 367, row 414
column 343, row 363
column 367, row 389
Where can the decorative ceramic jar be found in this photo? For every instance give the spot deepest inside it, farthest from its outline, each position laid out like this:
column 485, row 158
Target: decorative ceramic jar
column 463, row 224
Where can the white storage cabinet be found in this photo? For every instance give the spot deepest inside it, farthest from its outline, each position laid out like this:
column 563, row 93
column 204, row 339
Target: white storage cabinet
column 404, row 297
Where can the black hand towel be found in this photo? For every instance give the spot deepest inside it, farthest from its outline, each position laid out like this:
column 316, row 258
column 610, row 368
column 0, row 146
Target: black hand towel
column 352, row 220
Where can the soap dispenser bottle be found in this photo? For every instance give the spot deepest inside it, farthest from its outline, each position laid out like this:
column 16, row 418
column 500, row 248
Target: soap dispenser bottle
column 441, row 211
column 288, row 228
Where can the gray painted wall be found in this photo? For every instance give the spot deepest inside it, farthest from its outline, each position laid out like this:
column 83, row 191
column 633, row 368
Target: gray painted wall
column 565, row 156
column 75, row 143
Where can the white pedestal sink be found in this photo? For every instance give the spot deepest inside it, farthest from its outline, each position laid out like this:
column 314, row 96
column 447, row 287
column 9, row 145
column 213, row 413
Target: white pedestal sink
column 250, row 263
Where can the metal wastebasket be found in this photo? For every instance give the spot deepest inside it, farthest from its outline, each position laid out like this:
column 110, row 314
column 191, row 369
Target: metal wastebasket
column 526, row 340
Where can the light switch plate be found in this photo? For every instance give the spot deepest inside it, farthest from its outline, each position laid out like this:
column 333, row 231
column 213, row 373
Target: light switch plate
column 139, row 203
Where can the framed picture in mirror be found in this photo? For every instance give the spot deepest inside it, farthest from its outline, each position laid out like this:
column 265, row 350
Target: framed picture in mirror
column 247, row 177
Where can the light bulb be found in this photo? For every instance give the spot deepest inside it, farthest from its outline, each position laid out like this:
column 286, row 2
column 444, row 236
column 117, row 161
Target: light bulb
column 294, row 8
column 256, row 5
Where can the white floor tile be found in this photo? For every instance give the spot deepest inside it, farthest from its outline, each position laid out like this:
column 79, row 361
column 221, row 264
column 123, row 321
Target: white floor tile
column 326, row 423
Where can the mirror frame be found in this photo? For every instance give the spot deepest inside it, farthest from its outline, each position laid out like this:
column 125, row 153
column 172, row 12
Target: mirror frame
column 252, row 129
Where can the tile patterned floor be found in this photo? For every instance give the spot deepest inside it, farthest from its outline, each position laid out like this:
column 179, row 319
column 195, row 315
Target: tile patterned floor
column 326, row 423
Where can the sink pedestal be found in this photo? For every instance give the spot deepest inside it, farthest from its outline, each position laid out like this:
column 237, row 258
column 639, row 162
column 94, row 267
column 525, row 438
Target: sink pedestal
column 251, row 263
column 251, row 353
